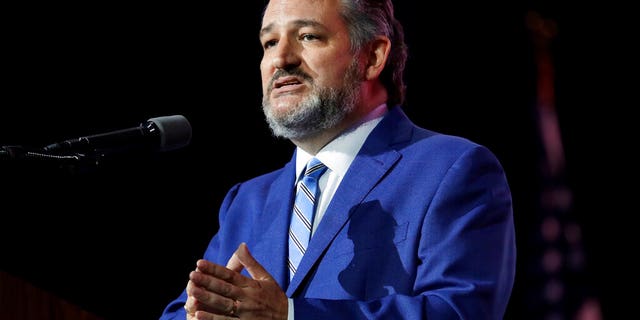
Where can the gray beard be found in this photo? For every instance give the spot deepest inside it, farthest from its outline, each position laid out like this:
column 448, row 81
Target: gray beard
column 323, row 109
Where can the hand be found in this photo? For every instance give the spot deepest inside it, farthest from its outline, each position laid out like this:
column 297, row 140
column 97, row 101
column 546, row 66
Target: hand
column 217, row 292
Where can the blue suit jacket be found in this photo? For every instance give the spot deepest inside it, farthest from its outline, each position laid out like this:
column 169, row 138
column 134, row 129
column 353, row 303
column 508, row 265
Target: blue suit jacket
column 421, row 227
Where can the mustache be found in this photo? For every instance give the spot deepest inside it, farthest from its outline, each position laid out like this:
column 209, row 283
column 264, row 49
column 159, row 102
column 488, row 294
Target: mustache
column 297, row 72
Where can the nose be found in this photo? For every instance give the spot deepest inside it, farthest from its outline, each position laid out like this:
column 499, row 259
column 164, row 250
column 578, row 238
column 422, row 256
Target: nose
column 285, row 55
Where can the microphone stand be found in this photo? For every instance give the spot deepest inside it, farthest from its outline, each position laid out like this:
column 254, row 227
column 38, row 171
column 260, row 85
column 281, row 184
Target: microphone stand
column 72, row 161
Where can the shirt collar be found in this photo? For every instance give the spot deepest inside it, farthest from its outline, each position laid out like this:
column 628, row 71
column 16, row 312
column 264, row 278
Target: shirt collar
column 338, row 154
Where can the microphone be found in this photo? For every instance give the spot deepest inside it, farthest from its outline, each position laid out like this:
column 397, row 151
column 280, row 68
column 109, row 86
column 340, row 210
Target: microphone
column 161, row 134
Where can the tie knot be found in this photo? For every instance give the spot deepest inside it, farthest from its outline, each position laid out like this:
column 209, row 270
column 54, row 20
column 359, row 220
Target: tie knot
column 315, row 168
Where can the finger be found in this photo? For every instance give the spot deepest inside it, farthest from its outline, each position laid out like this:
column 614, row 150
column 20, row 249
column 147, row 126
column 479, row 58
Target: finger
column 212, row 316
column 254, row 268
column 214, row 269
column 193, row 304
column 234, row 263
column 215, row 285
column 212, row 302
column 189, row 305
column 219, row 317
column 222, row 273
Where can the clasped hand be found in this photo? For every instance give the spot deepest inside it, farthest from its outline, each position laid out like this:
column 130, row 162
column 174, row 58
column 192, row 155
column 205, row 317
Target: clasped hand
column 217, row 292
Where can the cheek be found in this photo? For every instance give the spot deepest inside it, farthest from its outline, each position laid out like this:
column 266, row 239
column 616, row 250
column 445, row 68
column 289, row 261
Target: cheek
column 265, row 74
column 330, row 77
column 329, row 70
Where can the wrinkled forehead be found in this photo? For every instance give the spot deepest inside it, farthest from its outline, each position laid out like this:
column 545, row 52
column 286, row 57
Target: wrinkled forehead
column 284, row 12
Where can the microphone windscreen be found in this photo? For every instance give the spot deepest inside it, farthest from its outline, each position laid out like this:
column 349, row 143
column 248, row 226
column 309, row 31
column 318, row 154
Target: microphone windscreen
column 175, row 132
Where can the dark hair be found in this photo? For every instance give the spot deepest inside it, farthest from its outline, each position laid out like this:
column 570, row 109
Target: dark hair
column 367, row 19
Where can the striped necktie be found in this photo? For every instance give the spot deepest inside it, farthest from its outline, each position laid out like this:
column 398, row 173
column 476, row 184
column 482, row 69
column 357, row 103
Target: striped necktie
column 303, row 211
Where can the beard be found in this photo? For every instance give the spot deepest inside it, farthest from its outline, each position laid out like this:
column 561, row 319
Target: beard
column 324, row 108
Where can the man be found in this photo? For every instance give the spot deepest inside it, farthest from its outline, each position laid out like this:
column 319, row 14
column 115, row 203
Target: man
column 408, row 224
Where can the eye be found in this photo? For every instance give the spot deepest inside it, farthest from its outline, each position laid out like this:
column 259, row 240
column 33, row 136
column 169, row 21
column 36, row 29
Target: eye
column 269, row 43
column 309, row 37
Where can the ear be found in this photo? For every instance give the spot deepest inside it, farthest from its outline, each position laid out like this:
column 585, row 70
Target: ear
column 377, row 54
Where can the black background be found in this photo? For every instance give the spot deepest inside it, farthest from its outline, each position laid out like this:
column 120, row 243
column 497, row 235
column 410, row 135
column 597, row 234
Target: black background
column 122, row 238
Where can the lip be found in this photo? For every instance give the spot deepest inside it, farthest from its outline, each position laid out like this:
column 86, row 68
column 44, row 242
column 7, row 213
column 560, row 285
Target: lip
column 287, row 84
column 285, row 81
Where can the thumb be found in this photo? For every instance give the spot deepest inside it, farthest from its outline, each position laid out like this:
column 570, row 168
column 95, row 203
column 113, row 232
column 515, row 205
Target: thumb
column 234, row 262
column 254, row 268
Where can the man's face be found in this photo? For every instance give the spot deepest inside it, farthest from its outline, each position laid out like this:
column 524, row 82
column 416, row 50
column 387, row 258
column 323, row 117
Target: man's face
column 309, row 74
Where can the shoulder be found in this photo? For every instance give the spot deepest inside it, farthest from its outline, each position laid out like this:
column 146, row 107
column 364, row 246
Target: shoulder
column 442, row 145
column 412, row 141
column 253, row 192
column 262, row 181
column 405, row 132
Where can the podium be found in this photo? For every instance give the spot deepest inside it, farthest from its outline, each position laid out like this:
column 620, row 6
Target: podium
column 20, row 300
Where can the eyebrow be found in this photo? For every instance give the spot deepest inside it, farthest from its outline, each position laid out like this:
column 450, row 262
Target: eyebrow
column 296, row 23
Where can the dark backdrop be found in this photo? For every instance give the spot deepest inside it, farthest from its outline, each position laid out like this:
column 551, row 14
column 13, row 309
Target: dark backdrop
column 123, row 237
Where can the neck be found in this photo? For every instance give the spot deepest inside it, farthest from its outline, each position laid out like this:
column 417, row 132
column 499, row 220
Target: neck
column 313, row 144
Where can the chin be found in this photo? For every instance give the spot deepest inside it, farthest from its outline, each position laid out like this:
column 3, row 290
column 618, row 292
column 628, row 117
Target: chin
column 284, row 105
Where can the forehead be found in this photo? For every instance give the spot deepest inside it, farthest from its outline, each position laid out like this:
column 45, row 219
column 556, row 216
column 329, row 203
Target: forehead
column 288, row 12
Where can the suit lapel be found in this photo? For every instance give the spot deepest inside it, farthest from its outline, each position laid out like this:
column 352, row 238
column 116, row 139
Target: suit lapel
column 371, row 164
column 271, row 235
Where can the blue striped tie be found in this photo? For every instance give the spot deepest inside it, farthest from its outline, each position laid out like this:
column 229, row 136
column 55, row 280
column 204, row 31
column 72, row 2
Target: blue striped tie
column 303, row 210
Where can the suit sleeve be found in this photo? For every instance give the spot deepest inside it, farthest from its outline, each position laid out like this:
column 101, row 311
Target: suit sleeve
column 466, row 252
column 175, row 309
